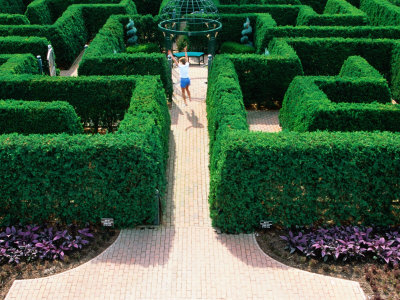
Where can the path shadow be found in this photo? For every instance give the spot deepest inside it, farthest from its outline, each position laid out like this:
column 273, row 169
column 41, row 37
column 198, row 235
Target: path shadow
column 194, row 120
column 175, row 111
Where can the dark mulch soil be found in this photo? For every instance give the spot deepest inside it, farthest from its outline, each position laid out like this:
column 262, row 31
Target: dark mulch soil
column 103, row 238
column 377, row 280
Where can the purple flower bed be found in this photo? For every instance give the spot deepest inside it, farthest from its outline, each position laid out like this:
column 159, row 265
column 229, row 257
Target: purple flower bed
column 37, row 242
column 345, row 243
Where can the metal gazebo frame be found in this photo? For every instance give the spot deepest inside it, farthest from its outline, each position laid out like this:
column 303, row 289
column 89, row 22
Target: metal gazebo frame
column 201, row 16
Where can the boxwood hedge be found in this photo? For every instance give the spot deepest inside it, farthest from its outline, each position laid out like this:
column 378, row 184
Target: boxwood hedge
column 82, row 178
column 294, row 178
column 102, row 100
column 67, row 28
column 18, row 64
column 29, row 117
column 100, row 58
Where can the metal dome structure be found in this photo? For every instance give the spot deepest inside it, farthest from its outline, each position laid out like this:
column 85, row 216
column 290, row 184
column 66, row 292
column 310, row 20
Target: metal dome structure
column 191, row 18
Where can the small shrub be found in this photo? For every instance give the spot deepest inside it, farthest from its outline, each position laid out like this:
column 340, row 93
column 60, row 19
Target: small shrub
column 146, row 48
column 236, row 48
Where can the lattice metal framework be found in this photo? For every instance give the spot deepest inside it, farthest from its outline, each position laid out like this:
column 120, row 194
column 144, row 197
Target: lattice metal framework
column 190, row 17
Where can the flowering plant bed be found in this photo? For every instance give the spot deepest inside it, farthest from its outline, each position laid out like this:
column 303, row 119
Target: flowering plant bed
column 39, row 251
column 378, row 279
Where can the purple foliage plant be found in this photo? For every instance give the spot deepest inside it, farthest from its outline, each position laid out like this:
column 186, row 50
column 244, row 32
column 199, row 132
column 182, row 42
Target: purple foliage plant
column 38, row 242
column 346, row 242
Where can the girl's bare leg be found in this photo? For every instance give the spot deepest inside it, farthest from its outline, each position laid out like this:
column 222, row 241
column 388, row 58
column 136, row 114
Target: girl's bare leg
column 188, row 92
column 184, row 96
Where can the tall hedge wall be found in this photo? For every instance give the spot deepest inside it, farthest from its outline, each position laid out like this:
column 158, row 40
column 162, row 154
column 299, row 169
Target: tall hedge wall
column 282, row 14
column 86, row 177
column 7, row 19
column 264, row 79
column 100, row 58
column 336, row 13
column 324, row 56
column 381, row 12
column 16, row 44
column 38, row 117
column 304, row 178
column 12, row 6
column 70, row 32
column 294, row 178
column 338, row 104
column 99, row 99
column 267, row 29
column 18, row 64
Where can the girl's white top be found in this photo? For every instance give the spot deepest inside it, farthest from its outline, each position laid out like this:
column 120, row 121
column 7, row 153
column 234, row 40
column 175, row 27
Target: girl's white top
column 184, row 70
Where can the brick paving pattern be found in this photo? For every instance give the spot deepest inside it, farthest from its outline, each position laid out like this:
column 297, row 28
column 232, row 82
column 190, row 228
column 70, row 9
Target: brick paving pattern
column 185, row 258
column 263, row 120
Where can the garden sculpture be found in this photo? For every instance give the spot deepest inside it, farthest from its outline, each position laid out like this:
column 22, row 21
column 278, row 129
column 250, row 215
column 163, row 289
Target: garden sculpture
column 245, row 32
column 131, row 33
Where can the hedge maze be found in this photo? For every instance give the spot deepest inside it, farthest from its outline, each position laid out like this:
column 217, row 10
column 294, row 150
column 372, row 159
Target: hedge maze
column 68, row 175
column 333, row 69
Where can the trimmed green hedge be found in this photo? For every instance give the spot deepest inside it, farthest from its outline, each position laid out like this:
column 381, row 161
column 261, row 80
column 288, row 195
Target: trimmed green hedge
column 16, row 44
column 29, row 117
column 338, row 104
column 48, row 11
column 264, row 79
column 317, row 5
column 295, row 178
column 336, row 13
column 6, row 19
column 83, row 178
column 325, row 56
column 71, row 31
column 12, row 6
column 267, row 29
column 102, row 100
column 100, row 58
column 358, row 67
column 381, row 12
column 282, row 14
column 305, row 178
column 18, row 64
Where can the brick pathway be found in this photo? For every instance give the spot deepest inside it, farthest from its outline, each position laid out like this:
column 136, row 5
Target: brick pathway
column 185, row 258
column 263, row 120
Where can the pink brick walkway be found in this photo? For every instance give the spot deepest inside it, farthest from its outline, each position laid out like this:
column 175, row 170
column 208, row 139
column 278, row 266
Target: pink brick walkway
column 185, row 258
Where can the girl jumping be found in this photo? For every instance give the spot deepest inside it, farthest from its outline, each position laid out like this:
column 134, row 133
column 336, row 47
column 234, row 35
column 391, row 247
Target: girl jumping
column 183, row 65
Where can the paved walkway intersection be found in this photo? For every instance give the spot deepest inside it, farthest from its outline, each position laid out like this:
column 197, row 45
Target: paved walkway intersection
column 186, row 258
